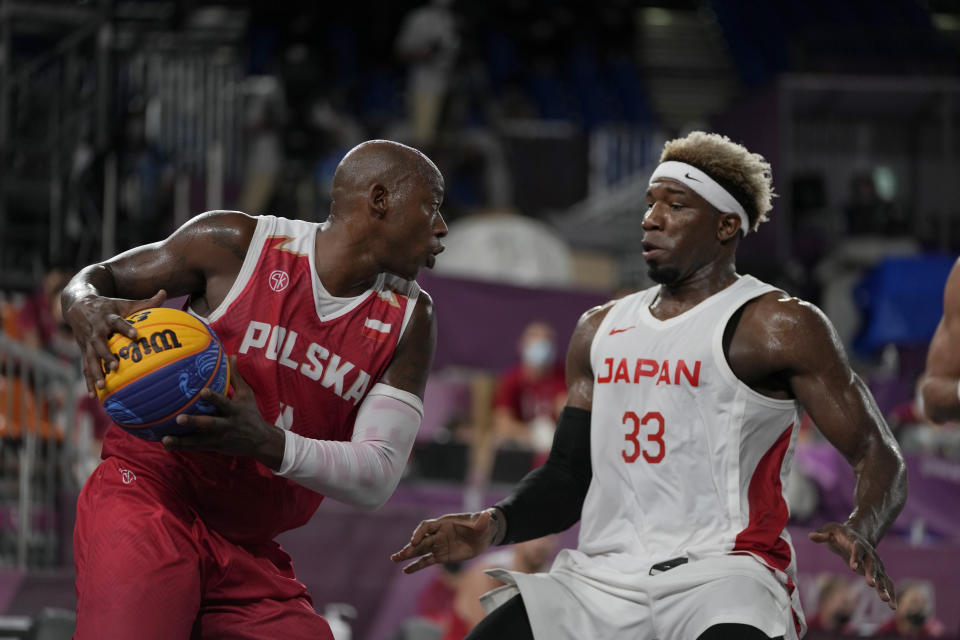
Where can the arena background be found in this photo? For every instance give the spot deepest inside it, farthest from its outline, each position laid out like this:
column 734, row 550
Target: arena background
column 119, row 120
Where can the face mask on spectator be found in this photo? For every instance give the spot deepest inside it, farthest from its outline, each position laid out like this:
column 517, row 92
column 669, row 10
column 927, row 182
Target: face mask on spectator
column 538, row 353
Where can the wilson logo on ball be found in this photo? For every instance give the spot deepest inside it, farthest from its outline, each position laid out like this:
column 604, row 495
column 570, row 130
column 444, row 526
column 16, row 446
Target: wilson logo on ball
column 161, row 372
column 157, row 342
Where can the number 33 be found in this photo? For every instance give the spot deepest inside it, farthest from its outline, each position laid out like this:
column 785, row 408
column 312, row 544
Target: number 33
column 650, row 416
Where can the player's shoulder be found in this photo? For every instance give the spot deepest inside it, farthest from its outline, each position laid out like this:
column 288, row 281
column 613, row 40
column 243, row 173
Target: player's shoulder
column 589, row 323
column 951, row 292
column 208, row 233
column 220, row 221
column 785, row 325
column 224, row 218
column 955, row 271
column 417, row 306
column 424, row 305
column 591, row 319
column 779, row 309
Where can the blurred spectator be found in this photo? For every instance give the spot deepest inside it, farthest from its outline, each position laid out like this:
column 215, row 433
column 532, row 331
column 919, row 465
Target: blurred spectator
column 41, row 320
column 263, row 121
column 914, row 615
column 146, row 180
column 835, row 604
column 302, row 70
column 531, row 393
column 917, row 434
column 337, row 132
column 869, row 211
column 10, row 315
column 436, row 599
column 429, row 42
column 41, row 326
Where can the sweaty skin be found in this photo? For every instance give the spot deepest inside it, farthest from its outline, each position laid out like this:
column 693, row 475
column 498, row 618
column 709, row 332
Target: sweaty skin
column 385, row 217
column 781, row 347
column 938, row 388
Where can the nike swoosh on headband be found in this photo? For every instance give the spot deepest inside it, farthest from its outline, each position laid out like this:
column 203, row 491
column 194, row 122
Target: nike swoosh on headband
column 708, row 188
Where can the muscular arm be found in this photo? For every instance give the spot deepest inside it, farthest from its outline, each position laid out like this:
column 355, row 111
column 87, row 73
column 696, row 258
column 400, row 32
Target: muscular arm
column 845, row 412
column 939, row 390
column 365, row 471
column 549, row 499
column 211, row 246
column 411, row 363
column 796, row 343
column 200, row 259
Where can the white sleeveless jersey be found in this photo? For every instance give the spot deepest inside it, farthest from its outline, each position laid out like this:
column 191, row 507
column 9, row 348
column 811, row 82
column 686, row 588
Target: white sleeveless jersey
column 687, row 459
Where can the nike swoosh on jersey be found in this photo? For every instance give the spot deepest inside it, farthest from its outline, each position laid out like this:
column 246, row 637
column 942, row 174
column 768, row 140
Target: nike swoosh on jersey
column 614, row 331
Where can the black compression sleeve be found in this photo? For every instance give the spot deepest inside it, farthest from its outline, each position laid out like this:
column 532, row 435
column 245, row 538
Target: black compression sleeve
column 550, row 497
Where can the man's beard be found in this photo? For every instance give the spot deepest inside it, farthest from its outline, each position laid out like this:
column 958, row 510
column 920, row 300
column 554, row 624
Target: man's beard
column 663, row 275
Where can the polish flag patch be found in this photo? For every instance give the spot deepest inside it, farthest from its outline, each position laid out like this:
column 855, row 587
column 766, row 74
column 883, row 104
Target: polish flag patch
column 376, row 329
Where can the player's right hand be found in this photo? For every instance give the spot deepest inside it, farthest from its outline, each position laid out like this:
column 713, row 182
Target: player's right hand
column 860, row 555
column 450, row 538
column 93, row 319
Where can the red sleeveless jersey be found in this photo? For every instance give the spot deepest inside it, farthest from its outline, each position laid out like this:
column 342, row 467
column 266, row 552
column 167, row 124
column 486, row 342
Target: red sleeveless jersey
column 310, row 359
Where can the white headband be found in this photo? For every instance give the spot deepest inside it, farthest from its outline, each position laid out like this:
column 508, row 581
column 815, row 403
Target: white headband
column 705, row 186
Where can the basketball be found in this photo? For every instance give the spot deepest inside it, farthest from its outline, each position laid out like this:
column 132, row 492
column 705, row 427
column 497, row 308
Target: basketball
column 161, row 373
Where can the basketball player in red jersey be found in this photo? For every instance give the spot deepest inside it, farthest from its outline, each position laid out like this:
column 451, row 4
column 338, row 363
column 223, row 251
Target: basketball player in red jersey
column 332, row 340
column 677, row 437
column 939, row 388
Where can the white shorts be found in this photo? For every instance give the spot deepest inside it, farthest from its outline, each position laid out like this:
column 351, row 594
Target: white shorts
column 679, row 604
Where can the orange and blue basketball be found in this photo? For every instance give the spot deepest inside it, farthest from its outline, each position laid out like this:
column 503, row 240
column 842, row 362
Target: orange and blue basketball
column 161, row 373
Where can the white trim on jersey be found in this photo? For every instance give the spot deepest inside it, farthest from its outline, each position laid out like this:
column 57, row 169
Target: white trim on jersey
column 411, row 290
column 329, row 306
column 303, row 238
column 376, row 325
column 250, row 260
column 408, row 312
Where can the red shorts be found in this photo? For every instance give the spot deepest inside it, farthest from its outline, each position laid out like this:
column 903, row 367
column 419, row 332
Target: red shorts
column 148, row 567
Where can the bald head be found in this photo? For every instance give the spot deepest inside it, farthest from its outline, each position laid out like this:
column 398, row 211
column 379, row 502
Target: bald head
column 393, row 165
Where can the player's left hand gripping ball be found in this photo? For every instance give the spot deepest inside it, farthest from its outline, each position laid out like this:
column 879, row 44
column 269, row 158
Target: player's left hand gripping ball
column 161, row 373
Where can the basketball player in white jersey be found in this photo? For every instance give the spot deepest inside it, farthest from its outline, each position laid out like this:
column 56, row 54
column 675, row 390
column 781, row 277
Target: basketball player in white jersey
column 677, row 439
column 939, row 388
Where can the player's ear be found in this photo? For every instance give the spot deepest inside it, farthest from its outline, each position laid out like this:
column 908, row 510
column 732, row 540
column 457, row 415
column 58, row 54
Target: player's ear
column 728, row 226
column 379, row 199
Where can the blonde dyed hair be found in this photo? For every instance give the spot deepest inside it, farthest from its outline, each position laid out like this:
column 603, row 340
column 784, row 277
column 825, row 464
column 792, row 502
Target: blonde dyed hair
column 744, row 174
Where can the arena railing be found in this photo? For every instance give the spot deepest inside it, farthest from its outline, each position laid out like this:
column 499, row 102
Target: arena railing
column 42, row 456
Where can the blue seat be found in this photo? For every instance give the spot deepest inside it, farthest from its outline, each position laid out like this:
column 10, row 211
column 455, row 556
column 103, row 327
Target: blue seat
column 901, row 301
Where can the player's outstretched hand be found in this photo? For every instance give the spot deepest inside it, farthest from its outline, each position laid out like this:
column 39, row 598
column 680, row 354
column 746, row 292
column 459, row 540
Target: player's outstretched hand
column 860, row 556
column 450, row 538
column 237, row 429
column 93, row 319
